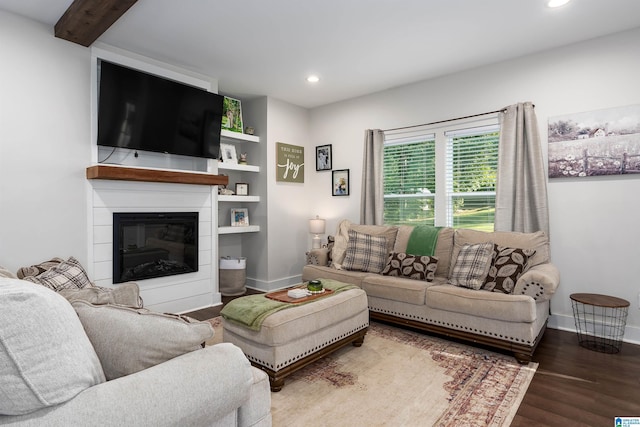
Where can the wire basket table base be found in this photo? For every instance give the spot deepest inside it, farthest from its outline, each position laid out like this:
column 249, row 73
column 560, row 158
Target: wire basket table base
column 600, row 321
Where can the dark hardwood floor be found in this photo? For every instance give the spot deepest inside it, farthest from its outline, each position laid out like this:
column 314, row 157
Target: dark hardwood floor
column 577, row 386
column 573, row 386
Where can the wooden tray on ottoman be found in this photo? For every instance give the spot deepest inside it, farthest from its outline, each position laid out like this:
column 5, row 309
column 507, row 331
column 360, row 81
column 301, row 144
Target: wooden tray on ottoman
column 282, row 295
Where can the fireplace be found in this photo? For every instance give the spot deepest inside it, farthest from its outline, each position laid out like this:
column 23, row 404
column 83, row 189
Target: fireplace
column 154, row 244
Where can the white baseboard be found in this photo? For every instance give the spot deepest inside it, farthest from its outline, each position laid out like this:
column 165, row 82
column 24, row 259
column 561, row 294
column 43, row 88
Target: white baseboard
column 567, row 323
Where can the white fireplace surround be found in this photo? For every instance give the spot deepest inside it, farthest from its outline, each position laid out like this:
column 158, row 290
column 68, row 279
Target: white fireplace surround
column 172, row 294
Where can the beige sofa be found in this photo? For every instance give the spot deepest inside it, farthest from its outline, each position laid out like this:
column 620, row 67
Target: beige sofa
column 513, row 322
column 73, row 363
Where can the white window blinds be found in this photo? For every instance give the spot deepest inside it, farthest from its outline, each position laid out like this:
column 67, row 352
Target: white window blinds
column 409, row 180
column 472, row 164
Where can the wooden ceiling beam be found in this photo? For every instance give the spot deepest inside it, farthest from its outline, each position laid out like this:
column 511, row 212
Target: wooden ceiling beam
column 86, row 20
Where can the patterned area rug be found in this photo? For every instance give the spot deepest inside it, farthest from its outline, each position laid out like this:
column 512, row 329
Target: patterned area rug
column 400, row 377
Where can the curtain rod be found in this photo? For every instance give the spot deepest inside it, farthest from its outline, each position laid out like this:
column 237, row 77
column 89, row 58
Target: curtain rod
column 448, row 120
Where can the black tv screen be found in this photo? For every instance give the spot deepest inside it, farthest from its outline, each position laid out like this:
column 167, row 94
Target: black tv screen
column 141, row 111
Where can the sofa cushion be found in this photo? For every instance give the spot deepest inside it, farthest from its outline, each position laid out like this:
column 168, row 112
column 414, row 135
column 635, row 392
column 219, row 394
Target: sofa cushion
column 443, row 246
column 489, row 305
column 402, row 238
column 365, row 252
column 45, row 356
column 339, row 249
column 123, row 294
column 537, row 241
column 411, row 266
column 128, row 340
column 6, row 273
column 507, row 266
column 395, row 288
column 472, row 265
column 389, row 232
column 65, row 275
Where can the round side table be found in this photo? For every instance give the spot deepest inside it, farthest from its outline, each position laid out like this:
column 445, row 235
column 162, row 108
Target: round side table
column 600, row 321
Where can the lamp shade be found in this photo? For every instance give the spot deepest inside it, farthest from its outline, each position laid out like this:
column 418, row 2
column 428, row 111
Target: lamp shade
column 316, row 226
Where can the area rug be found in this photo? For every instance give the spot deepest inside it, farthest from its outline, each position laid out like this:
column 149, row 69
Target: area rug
column 401, row 377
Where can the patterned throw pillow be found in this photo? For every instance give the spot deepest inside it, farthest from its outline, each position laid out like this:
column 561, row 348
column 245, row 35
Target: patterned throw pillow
column 506, row 268
column 37, row 269
column 68, row 274
column 472, row 265
column 418, row 267
column 365, row 252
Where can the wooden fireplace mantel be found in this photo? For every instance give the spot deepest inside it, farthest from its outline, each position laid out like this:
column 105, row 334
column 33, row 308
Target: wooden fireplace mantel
column 154, row 175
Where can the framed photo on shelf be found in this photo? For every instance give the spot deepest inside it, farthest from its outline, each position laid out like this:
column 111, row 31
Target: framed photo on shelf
column 232, row 115
column 228, row 153
column 340, row 182
column 239, row 217
column 323, row 158
column 242, row 189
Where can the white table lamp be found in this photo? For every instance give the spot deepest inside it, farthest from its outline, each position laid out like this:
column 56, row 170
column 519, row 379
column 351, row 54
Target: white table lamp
column 316, row 227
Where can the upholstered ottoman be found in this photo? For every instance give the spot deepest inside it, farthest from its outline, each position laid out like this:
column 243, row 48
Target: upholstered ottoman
column 294, row 337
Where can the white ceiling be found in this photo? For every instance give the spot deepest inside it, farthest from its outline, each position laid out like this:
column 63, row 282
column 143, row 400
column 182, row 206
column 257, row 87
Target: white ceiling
column 356, row 47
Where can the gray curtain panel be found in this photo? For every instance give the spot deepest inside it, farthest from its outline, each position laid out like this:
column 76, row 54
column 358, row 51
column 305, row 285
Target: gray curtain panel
column 372, row 198
column 521, row 187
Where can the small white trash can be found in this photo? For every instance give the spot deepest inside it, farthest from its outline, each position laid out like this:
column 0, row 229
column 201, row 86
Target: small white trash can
column 233, row 276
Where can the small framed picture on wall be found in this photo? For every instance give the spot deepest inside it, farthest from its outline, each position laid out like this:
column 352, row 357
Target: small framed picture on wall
column 323, row 158
column 340, row 182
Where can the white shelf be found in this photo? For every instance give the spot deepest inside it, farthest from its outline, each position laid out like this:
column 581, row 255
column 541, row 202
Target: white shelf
column 239, row 137
column 234, row 167
column 235, row 198
column 236, row 230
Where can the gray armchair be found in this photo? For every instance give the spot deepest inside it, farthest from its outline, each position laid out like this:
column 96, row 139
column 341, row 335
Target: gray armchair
column 51, row 375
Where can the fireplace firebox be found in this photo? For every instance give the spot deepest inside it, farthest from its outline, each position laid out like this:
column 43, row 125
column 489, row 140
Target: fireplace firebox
column 154, row 244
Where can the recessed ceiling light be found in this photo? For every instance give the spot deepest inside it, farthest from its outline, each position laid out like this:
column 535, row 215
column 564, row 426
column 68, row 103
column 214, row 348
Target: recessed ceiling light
column 313, row 79
column 557, row 3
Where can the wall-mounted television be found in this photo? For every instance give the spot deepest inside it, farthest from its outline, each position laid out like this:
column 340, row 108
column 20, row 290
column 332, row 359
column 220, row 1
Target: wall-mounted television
column 140, row 111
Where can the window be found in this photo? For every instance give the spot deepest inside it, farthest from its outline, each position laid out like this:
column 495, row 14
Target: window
column 409, row 180
column 472, row 162
column 446, row 178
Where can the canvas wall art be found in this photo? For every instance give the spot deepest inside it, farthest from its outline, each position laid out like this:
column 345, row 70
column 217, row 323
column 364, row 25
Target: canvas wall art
column 289, row 163
column 595, row 143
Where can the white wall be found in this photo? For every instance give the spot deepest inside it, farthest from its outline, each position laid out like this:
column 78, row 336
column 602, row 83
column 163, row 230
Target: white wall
column 594, row 225
column 44, row 144
column 289, row 207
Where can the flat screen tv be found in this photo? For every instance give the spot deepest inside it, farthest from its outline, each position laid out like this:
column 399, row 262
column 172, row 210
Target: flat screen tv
column 141, row 111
